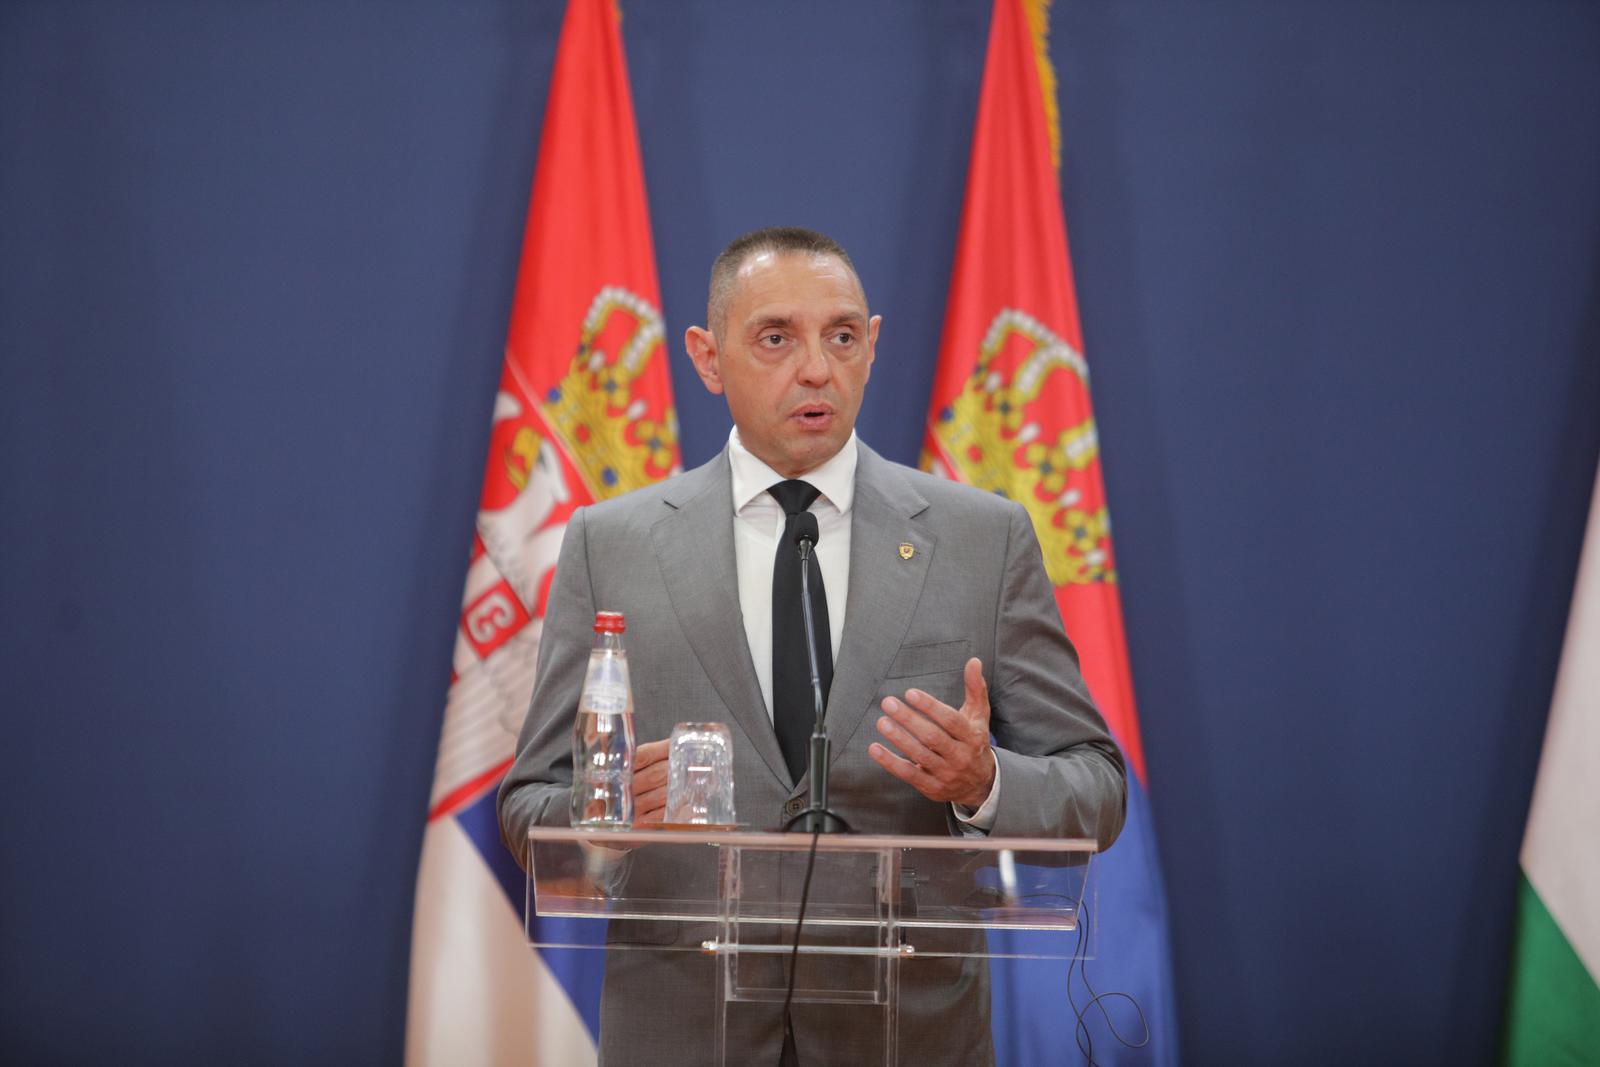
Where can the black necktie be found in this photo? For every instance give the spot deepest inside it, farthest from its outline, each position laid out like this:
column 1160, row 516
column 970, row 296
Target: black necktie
column 792, row 709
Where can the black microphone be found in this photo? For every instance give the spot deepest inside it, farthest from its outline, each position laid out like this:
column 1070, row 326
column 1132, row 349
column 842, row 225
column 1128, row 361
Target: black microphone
column 816, row 818
column 805, row 532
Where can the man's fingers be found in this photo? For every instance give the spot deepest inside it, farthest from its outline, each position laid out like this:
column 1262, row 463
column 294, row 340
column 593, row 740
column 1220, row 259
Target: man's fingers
column 906, row 740
column 902, row 769
column 650, row 776
column 650, row 752
column 966, row 725
column 948, row 720
column 931, row 730
column 649, row 804
column 977, row 689
column 648, row 782
column 650, row 766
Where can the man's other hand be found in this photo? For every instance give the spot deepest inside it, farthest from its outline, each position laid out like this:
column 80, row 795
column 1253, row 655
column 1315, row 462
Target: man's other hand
column 946, row 750
column 650, row 782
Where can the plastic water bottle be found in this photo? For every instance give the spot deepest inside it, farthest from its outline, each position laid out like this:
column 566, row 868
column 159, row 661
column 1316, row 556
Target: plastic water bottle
column 602, row 737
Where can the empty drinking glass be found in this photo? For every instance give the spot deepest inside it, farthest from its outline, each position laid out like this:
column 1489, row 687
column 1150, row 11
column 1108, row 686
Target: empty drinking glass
column 700, row 775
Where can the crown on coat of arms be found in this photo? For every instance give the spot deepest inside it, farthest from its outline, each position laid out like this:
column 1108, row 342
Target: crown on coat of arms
column 594, row 407
column 992, row 432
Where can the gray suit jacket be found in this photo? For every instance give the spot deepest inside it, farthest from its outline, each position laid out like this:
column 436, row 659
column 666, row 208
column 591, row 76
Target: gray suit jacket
column 975, row 585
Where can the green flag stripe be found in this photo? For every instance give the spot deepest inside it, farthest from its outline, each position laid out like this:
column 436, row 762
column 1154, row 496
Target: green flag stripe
column 1553, row 1008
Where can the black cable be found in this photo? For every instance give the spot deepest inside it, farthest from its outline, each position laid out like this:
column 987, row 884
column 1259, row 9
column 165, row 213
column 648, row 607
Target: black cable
column 794, row 952
column 1081, row 1032
column 1080, row 1029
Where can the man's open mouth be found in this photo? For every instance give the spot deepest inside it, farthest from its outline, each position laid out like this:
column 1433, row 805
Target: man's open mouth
column 814, row 416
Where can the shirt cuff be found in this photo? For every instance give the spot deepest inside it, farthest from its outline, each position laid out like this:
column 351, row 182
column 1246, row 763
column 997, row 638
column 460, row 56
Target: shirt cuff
column 982, row 820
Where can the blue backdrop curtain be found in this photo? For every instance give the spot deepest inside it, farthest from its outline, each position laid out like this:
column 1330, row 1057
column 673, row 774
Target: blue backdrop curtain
column 1339, row 269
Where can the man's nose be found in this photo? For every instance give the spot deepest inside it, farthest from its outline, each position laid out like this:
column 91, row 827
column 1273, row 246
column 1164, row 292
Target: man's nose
column 814, row 366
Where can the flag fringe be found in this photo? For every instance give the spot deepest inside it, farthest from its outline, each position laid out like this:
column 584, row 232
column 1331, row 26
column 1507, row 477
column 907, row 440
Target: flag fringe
column 1038, row 15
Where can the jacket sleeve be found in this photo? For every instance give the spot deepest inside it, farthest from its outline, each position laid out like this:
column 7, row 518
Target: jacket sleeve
column 1062, row 774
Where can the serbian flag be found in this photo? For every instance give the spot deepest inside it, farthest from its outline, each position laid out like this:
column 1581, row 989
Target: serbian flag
column 1553, row 1004
column 584, row 412
column 1011, row 414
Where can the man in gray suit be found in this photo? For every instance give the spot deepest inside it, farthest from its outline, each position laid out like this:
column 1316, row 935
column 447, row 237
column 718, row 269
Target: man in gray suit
column 939, row 618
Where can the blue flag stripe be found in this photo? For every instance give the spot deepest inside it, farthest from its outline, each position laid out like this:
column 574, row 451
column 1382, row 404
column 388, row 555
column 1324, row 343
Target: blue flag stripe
column 580, row 971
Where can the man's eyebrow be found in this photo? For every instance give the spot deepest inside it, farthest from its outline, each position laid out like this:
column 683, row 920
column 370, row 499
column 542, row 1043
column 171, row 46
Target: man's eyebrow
column 766, row 322
column 787, row 322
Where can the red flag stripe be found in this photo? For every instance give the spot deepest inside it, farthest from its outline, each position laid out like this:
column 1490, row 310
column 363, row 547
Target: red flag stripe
column 1011, row 409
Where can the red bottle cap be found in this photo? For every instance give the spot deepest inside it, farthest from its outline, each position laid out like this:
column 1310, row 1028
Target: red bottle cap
column 609, row 622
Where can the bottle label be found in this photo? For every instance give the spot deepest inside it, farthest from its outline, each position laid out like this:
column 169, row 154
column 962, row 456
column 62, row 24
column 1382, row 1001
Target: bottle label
column 606, row 698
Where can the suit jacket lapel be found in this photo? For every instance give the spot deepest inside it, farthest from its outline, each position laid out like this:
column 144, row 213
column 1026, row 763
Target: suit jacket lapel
column 693, row 543
column 885, row 586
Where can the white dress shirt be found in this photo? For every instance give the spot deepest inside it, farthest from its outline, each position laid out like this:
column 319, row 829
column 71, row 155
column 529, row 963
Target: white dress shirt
column 758, row 523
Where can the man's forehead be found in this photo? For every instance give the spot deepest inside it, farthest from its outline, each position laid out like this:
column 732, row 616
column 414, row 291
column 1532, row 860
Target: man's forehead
column 768, row 279
column 765, row 258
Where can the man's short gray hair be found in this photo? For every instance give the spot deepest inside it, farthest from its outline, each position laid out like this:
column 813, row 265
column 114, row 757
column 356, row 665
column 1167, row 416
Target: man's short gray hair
column 774, row 239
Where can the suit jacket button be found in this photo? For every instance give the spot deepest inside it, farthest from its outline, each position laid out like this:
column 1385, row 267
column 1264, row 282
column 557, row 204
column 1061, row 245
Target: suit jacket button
column 794, row 807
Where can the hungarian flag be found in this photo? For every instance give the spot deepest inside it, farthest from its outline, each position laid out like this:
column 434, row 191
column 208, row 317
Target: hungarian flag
column 1553, row 1011
column 584, row 412
column 1011, row 414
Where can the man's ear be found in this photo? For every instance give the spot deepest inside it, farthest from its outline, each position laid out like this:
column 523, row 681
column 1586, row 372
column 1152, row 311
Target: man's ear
column 701, row 345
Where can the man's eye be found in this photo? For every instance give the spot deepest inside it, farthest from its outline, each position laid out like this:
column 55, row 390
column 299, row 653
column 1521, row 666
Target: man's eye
column 772, row 340
column 844, row 337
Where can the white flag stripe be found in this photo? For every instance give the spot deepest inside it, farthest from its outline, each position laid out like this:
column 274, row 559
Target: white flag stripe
column 483, row 713
column 469, row 756
column 471, row 761
column 479, row 994
column 1561, row 852
column 477, row 746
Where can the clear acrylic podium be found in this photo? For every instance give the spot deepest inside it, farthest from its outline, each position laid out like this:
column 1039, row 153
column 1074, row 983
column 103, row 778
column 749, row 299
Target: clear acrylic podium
column 878, row 905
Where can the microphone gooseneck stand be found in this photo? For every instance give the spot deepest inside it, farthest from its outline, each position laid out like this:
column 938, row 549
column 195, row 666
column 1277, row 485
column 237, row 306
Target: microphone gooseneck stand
column 816, row 818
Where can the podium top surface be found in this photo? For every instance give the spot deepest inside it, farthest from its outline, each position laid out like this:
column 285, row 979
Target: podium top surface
column 768, row 841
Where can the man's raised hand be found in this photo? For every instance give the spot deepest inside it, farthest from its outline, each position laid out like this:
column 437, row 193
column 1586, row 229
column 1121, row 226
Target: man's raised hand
column 945, row 750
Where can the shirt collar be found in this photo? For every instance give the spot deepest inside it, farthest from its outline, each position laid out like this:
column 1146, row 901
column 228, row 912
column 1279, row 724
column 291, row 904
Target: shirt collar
column 835, row 479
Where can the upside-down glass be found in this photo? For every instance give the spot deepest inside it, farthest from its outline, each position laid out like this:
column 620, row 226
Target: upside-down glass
column 700, row 775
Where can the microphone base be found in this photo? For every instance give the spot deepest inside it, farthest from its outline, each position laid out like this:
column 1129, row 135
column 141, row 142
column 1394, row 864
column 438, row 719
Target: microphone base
column 817, row 821
column 816, row 818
